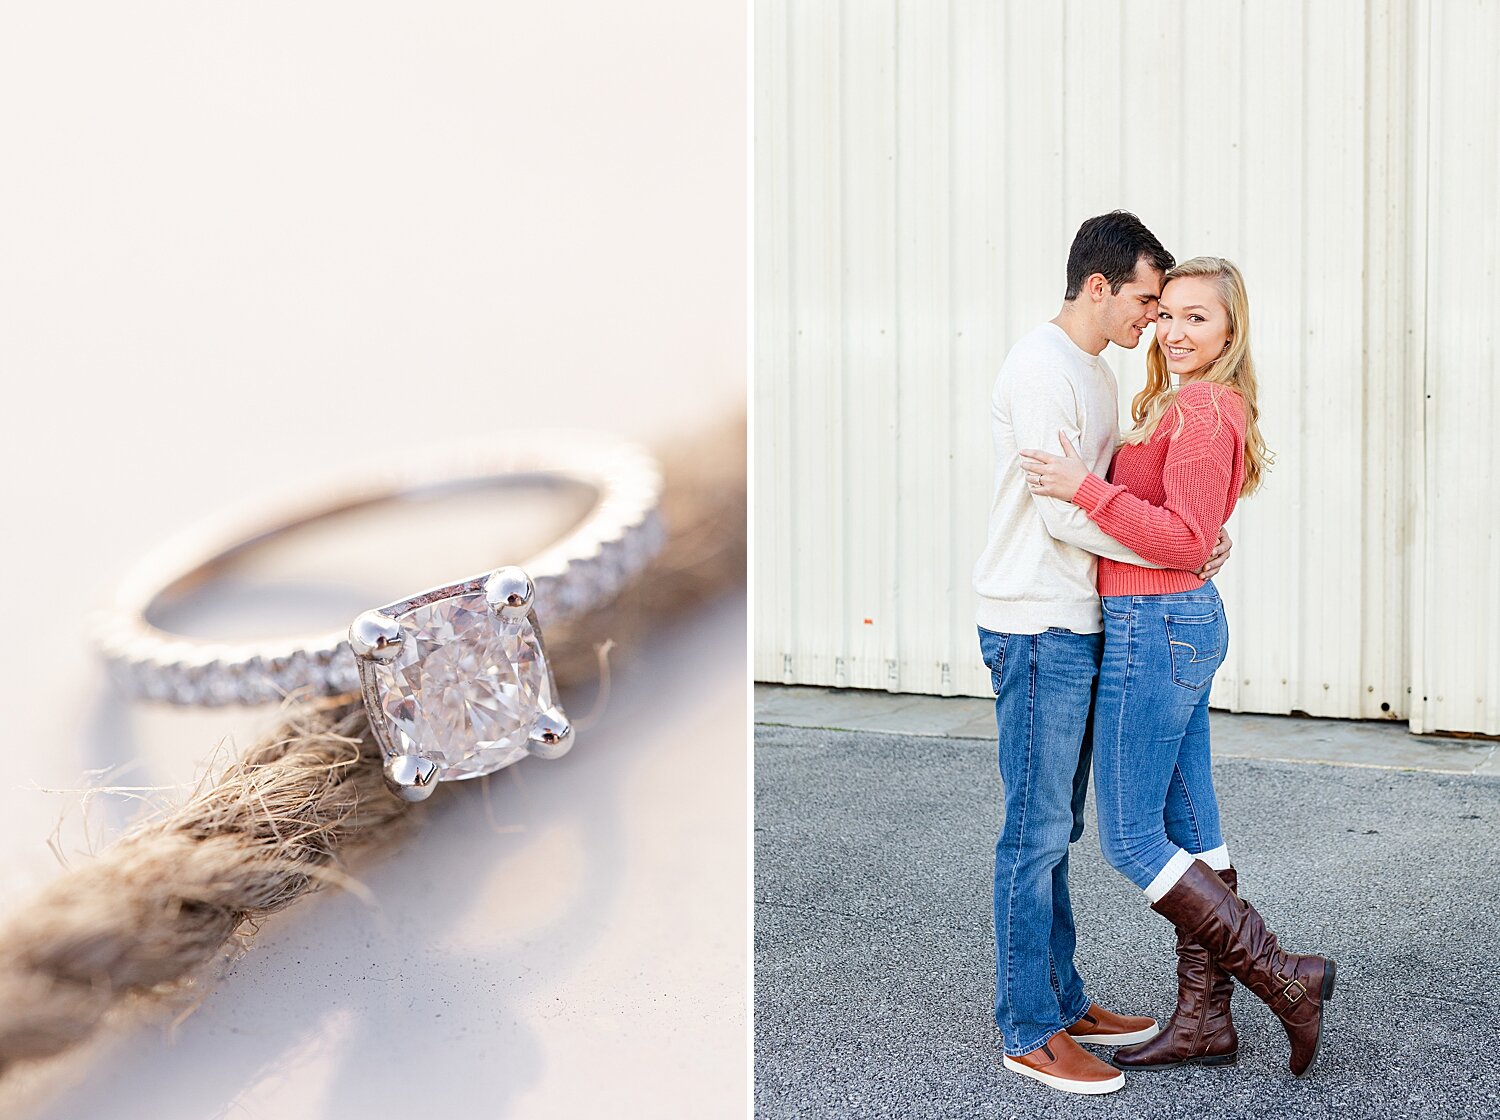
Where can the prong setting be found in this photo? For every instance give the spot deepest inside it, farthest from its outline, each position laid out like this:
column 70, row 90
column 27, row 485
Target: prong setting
column 375, row 637
column 509, row 592
column 551, row 734
column 459, row 644
column 411, row 777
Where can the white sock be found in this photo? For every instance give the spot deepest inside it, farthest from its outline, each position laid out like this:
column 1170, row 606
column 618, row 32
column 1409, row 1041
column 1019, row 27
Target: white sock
column 1217, row 858
column 1167, row 877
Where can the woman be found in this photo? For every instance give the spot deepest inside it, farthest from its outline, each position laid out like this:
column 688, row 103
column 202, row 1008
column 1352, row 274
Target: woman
column 1194, row 450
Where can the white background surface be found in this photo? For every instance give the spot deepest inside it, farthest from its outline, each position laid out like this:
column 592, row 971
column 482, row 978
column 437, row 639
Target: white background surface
column 240, row 244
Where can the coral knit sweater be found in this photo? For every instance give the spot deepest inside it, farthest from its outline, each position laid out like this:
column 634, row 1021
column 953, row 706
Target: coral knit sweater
column 1168, row 498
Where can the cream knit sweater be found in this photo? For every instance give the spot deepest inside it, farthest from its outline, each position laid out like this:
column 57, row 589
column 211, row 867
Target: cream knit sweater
column 1039, row 563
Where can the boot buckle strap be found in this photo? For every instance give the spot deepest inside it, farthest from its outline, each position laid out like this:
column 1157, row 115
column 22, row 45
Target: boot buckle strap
column 1293, row 989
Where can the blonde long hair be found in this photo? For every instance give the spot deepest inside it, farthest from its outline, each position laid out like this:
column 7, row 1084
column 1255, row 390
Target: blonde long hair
column 1232, row 369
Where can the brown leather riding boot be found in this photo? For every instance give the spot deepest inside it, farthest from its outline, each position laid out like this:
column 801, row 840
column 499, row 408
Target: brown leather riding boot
column 1200, row 1031
column 1294, row 987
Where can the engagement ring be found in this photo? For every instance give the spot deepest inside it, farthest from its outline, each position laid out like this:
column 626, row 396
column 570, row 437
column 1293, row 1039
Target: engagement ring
column 455, row 678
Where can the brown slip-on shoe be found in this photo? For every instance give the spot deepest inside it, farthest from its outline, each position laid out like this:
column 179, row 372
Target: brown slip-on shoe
column 1063, row 1064
column 1201, row 1030
column 1294, row 986
column 1101, row 1027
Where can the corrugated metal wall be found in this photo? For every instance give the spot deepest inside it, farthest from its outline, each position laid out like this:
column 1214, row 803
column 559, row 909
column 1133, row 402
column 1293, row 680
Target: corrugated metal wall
column 920, row 170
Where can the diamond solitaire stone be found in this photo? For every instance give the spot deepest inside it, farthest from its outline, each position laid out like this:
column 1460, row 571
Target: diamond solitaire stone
column 464, row 688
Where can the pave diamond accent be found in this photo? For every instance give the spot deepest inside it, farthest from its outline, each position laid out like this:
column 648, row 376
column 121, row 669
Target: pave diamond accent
column 578, row 574
column 464, row 688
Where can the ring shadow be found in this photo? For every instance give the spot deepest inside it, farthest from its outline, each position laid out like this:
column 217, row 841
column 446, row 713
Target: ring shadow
column 311, row 984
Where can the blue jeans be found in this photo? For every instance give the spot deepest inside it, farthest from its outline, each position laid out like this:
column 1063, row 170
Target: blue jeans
column 1152, row 776
column 1043, row 690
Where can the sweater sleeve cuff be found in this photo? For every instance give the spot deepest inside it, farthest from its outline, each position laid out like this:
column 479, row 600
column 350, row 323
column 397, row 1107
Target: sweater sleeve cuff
column 1091, row 493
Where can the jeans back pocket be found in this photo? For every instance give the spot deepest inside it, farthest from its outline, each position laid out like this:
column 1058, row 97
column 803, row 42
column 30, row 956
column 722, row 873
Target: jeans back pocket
column 1197, row 645
column 992, row 649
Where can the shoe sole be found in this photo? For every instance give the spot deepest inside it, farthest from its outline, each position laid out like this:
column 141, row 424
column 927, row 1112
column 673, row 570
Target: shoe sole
column 1145, row 1035
column 1330, row 970
column 1200, row 1060
column 1086, row 1088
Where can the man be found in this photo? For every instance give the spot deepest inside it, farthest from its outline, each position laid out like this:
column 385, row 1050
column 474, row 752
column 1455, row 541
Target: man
column 1040, row 631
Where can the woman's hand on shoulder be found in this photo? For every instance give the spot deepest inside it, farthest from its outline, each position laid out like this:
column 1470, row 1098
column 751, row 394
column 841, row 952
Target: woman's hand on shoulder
column 1054, row 476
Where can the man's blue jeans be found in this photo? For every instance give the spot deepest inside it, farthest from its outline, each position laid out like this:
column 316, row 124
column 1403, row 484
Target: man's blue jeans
column 1152, row 767
column 1043, row 697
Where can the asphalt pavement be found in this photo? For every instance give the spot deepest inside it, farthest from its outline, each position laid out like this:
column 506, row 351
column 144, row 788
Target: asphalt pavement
column 873, row 954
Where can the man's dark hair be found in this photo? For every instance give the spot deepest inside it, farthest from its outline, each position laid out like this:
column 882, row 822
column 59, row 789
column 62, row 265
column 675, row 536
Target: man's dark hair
column 1111, row 244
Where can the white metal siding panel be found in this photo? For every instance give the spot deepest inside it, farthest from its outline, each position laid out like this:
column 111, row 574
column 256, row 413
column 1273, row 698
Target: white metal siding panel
column 817, row 510
column 924, row 547
column 772, row 382
column 928, row 164
column 1392, row 361
column 1460, row 633
column 869, row 98
column 980, row 167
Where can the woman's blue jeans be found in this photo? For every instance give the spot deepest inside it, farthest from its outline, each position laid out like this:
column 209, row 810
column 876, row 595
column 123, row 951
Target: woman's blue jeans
column 1043, row 689
column 1152, row 776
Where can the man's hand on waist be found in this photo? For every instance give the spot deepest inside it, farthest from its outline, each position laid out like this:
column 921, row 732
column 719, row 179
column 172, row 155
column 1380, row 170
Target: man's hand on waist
column 1217, row 557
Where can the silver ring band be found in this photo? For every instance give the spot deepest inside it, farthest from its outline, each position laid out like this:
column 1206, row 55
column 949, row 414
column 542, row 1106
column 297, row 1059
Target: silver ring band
column 580, row 572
